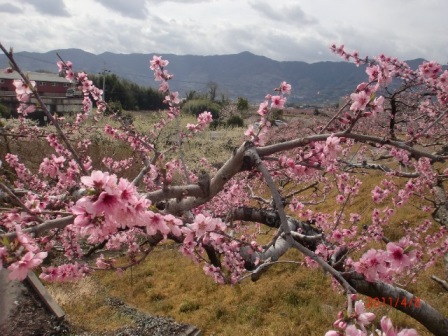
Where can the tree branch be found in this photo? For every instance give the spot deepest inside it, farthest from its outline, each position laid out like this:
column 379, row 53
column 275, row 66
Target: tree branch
column 57, row 223
column 441, row 282
column 424, row 313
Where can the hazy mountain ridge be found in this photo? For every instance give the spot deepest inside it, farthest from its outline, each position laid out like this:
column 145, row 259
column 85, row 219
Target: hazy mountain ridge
column 243, row 74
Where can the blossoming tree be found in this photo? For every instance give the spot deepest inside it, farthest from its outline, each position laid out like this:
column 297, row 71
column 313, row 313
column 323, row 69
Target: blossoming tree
column 393, row 124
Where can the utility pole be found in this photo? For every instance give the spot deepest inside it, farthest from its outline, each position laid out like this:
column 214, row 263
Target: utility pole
column 103, row 74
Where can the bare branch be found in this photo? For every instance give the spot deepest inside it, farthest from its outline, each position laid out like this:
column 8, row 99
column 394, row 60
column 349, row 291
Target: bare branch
column 441, row 282
column 285, row 227
column 19, row 202
column 288, row 145
column 57, row 223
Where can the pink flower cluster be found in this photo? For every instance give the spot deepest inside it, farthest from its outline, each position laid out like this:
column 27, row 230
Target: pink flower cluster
column 19, row 269
column 117, row 165
column 85, row 85
column 90, row 90
column 210, row 231
column 356, row 323
column 269, row 104
column 23, row 93
column 24, row 176
column 138, row 143
column 157, row 64
column 113, row 204
column 204, row 119
column 65, row 272
column 65, row 70
column 382, row 265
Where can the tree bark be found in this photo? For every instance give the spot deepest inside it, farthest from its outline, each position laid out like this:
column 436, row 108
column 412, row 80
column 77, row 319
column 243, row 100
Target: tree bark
column 424, row 313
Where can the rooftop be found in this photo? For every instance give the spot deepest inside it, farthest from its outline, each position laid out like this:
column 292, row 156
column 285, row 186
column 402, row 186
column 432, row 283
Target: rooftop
column 35, row 76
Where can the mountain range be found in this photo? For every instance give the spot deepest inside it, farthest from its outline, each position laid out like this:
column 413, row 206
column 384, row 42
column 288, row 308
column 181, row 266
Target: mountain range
column 237, row 75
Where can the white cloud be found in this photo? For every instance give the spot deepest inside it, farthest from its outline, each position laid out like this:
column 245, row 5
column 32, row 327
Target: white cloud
column 292, row 14
column 8, row 8
column 49, row 7
column 286, row 30
column 130, row 8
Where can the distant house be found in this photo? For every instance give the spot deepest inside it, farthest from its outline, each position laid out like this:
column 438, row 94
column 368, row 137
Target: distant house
column 56, row 92
column 47, row 84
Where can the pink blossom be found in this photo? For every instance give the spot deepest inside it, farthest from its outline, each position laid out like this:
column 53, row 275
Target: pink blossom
column 202, row 224
column 106, row 203
column 22, row 87
column 388, row 329
column 333, row 333
column 377, row 106
column 191, row 127
column 372, row 265
column 263, row 108
column 25, row 240
column 337, row 236
column 373, row 72
column 362, row 317
column 19, row 269
column 174, row 224
column 214, row 272
column 69, row 75
column 157, row 62
column 250, row 131
column 278, row 102
column 127, row 191
column 351, row 330
column 173, row 97
column 285, row 88
column 397, row 258
column 26, row 109
column 65, row 272
column 101, row 262
column 96, row 180
column 164, row 86
column 332, row 145
column 63, row 66
column 360, row 101
column 205, row 117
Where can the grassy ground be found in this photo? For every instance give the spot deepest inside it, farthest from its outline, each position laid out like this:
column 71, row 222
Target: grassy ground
column 287, row 300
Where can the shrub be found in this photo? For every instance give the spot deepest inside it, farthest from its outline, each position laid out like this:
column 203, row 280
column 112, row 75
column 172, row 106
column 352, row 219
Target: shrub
column 276, row 114
column 242, row 104
column 114, row 108
column 5, row 112
column 235, row 121
column 216, row 123
column 197, row 106
column 128, row 119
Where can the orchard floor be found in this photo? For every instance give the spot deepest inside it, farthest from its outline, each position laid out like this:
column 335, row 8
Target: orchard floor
column 27, row 316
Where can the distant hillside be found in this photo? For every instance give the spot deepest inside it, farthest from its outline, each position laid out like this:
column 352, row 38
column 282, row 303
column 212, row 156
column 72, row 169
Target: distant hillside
column 243, row 74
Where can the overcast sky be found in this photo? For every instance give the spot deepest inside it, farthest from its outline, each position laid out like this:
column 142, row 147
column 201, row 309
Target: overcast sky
column 299, row 30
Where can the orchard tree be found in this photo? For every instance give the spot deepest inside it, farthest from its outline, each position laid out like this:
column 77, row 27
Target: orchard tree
column 393, row 124
column 242, row 104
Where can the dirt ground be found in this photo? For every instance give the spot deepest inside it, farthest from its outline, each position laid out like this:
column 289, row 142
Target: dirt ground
column 27, row 316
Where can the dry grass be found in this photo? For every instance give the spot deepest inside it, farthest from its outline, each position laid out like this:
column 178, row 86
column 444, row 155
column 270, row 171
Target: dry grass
column 84, row 304
column 288, row 300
